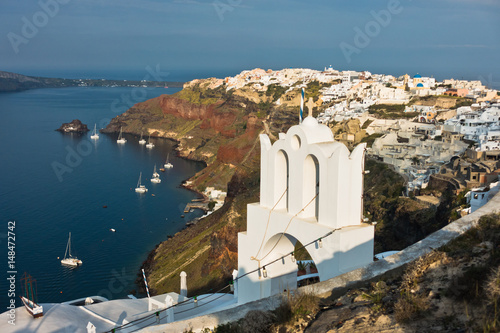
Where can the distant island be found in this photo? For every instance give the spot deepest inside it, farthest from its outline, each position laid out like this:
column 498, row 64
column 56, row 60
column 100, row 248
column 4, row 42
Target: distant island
column 75, row 126
column 10, row 82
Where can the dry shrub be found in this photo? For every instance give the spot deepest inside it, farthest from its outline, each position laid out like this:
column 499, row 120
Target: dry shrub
column 256, row 321
column 410, row 306
column 378, row 292
column 296, row 305
column 493, row 285
column 416, row 270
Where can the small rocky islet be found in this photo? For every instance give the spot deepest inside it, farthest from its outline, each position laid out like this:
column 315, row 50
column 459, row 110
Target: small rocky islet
column 75, row 126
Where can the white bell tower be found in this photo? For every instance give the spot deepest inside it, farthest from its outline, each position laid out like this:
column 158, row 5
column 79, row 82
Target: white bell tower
column 311, row 190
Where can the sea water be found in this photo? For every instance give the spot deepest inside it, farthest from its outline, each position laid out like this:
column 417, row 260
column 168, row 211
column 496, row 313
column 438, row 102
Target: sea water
column 54, row 183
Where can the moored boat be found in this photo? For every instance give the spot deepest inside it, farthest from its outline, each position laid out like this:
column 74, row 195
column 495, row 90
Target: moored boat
column 29, row 296
column 142, row 141
column 68, row 259
column 150, row 144
column 94, row 135
column 167, row 164
column 121, row 139
column 140, row 188
column 156, row 177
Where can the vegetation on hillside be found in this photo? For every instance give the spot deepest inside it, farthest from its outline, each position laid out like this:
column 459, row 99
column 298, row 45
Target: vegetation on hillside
column 391, row 111
column 313, row 90
column 275, row 90
column 197, row 95
column 402, row 221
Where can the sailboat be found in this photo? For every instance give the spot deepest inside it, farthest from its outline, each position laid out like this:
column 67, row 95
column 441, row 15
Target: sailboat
column 29, row 296
column 140, row 188
column 150, row 144
column 142, row 141
column 94, row 135
column 167, row 164
column 121, row 139
column 68, row 259
column 156, row 177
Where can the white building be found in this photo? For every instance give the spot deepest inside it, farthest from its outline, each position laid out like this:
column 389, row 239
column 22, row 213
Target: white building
column 311, row 191
column 481, row 126
column 478, row 197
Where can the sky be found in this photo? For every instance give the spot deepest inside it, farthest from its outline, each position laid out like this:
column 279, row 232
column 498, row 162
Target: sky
column 440, row 38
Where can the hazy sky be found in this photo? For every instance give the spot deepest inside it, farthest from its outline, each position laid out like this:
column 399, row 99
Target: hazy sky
column 454, row 38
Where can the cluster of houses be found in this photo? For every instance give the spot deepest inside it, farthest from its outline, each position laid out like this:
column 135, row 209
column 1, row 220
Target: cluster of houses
column 417, row 148
column 481, row 125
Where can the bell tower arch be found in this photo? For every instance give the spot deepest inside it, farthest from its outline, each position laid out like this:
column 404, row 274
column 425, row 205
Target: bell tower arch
column 310, row 191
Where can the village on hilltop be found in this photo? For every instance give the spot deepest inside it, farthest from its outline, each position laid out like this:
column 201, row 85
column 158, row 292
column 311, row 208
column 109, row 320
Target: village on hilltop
column 418, row 125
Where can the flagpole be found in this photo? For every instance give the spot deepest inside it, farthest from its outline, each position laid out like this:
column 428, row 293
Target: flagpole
column 301, row 106
column 145, row 282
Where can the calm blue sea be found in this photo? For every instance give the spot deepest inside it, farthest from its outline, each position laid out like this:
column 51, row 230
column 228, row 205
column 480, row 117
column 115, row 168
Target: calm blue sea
column 46, row 204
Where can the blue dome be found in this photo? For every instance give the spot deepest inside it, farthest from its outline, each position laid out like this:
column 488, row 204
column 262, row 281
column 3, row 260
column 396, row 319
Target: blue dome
column 420, row 85
column 418, row 76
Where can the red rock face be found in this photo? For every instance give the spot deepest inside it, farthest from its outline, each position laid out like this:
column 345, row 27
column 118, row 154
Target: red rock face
column 213, row 118
column 230, row 155
column 183, row 109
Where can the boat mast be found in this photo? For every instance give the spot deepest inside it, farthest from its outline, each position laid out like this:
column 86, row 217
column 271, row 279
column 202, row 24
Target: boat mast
column 69, row 244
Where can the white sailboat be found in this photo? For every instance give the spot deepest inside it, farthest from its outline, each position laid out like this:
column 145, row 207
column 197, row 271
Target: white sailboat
column 167, row 164
column 142, row 141
column 156, row 177
column 140, row 188
column 94, row 135
column 121, row 139
column 150, row 144
column 68, row 259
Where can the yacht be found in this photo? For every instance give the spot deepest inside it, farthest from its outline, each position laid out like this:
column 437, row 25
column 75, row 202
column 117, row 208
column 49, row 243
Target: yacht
column 121, row 139
column 156, row 177
column 94, row 135
column 68, row 259
column 150, row 144
column 140, row 188
column 142, row 141
column 167, row 164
